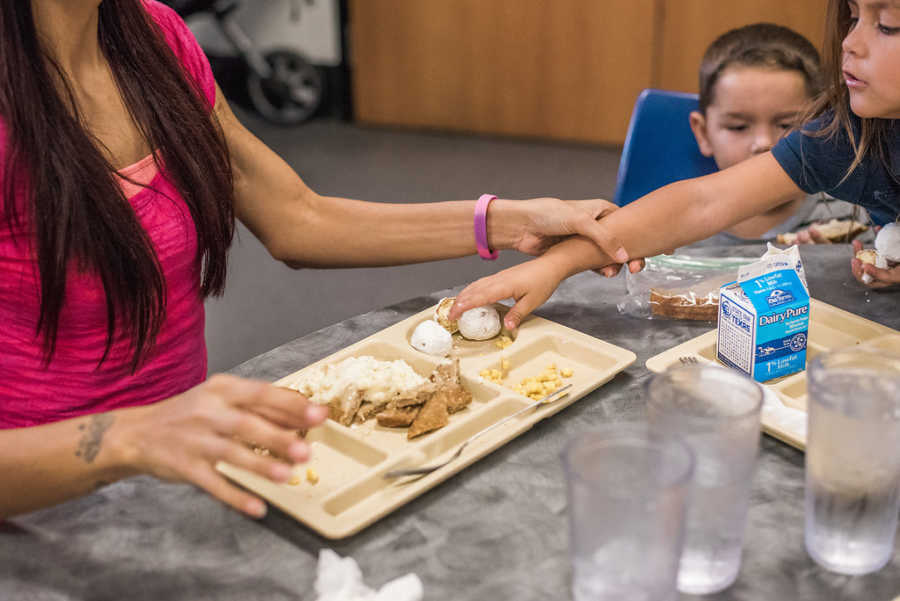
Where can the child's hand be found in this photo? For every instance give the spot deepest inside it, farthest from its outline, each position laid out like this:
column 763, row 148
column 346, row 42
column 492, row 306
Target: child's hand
column 530, row 284
column 881, row 278
column 811, row 236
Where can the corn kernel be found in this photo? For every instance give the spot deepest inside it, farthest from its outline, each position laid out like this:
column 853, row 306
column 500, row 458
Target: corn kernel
column 311, row 476
column 567, row 373
column 294, row 481
column 504, row 363
column 503, row 342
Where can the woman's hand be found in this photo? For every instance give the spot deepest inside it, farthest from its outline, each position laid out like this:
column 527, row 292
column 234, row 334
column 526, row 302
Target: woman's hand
column 542, row 222
column 530, row 284
column 881, row 278
column 182, row 438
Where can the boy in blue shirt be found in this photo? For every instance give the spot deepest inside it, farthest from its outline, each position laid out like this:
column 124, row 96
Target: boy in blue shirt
column 755, row 82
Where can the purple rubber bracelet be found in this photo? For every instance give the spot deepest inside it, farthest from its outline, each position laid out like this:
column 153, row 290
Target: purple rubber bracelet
column 481, row 241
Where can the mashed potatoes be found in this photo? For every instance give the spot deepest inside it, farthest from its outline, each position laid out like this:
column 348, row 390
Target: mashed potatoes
column 344, row 385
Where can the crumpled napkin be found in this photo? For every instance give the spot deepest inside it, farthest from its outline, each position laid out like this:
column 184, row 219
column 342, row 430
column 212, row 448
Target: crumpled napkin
column 793, row 420
column 340, row 579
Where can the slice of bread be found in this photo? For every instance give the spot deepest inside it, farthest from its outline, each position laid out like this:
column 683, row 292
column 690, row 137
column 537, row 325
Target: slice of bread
column 698, row 301
column 836, row 230
column 666, row 303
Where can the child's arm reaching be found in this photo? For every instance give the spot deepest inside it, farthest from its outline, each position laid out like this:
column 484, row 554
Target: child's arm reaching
column 670, row 217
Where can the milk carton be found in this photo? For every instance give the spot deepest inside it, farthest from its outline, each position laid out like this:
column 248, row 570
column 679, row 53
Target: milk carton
column 764, row 317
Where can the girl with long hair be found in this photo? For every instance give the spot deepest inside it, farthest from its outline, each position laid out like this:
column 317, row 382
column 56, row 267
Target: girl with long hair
column 122, row 170
column 849, row 148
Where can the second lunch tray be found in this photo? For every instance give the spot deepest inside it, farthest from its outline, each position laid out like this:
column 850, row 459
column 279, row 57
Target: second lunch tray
column 351, row 492
column 784, row 415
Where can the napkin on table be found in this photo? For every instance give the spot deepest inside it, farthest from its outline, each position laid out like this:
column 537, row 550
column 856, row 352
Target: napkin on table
column 340, row 579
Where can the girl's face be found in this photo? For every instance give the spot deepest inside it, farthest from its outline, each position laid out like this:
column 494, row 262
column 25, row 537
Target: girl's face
column 871, row 60
column 752, row 108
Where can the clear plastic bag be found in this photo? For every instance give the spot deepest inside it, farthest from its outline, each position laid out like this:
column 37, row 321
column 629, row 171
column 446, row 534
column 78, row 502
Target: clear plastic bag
column 679, row 287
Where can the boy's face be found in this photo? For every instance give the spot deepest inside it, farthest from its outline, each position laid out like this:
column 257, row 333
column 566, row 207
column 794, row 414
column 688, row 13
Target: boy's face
column 752, row 108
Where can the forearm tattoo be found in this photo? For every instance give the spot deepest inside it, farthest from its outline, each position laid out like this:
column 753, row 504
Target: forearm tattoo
column 92, row 439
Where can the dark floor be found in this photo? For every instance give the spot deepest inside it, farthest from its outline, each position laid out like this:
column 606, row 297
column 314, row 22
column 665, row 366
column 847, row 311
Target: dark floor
column 267, row 304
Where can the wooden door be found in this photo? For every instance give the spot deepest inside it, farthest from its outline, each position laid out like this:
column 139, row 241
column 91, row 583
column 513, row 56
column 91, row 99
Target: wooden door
column 564, row 69
column 689, row 26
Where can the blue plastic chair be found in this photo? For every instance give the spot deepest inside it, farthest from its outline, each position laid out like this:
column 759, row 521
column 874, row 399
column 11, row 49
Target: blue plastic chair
column 660, row 147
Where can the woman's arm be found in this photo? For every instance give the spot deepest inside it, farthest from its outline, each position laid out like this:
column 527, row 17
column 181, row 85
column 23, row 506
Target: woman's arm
column 667, row 218
column 305, row 229
column 180, row 439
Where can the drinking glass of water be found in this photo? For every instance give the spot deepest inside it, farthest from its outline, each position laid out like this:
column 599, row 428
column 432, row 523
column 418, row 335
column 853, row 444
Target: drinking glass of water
column 627, row 491
column 716, row 411
column 853, row 459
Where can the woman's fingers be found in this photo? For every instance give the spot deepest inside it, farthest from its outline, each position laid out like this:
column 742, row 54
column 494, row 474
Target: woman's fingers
column 234, row 389
column 636, row 265
column 269, row 467
column 206, row 477
column 288, row 408
column 587, row 226
column 254, row 429
column 610, row 271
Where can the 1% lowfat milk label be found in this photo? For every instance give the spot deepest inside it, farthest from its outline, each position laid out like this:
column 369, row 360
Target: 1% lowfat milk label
column 764, row 317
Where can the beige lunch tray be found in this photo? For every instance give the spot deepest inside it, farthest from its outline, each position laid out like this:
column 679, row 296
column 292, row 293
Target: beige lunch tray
column 829, row 328
column 350, row 461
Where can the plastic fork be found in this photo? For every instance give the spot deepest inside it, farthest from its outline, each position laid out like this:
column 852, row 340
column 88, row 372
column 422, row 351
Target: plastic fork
column 418, row 471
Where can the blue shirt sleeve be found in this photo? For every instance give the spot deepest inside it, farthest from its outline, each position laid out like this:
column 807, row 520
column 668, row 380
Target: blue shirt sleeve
column 820, row 164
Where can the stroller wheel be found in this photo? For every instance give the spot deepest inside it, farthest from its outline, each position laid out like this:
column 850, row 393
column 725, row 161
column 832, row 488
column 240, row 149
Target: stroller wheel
column 293, row 92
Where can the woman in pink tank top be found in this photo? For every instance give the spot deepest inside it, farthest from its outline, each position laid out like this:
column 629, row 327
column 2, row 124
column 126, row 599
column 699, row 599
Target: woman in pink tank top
column 122, row 170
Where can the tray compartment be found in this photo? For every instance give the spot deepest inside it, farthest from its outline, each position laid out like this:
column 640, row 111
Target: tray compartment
column 793, row 391
column 708, row 352
column 464, row 348
column 429, row 450
column 393, row 440
column 529, row 360
column 829, row 338
column 834, row 319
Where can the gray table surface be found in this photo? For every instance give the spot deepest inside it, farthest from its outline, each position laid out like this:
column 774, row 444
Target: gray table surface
column 496, row 530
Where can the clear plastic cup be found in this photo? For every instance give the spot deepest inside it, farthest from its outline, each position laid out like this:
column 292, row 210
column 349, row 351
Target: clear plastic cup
column 716, row 411
column 853, row 460
column 627, row 493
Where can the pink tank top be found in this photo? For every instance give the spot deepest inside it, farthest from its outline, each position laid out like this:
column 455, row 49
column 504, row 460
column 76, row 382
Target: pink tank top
column 72, row 385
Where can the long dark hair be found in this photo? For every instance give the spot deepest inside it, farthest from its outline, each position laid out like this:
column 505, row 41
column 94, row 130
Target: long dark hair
column 874, row 134
column 77, row 208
